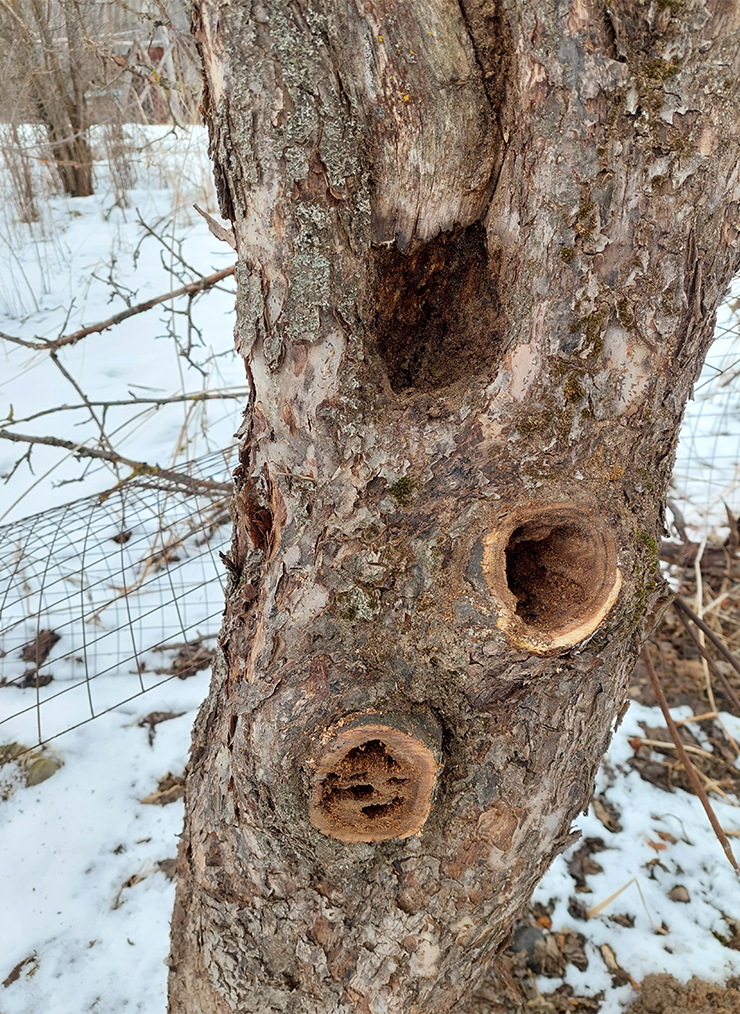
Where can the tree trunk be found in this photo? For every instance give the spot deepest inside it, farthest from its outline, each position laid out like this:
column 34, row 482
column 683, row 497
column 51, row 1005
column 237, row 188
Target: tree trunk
column 481, row 246
column 64, row 115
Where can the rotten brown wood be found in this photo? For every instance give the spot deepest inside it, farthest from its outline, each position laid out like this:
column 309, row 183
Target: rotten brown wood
column 553, row 574
column 374, row 781
column 481, row 246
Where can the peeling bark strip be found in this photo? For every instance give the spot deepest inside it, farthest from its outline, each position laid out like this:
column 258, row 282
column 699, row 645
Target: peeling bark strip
column 481, row 245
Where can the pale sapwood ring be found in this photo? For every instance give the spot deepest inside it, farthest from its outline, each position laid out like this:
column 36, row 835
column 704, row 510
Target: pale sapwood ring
column 553, row 573
column 375, row 777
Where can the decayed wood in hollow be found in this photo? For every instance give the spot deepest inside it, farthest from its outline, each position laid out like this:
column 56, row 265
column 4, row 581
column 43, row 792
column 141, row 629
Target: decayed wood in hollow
column 374, row 781
column 552, row 570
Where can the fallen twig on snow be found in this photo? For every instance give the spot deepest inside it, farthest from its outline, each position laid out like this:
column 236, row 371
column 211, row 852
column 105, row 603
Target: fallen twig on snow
column 686, row 760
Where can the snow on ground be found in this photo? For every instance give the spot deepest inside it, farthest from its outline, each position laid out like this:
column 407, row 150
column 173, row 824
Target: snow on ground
column 665, row 842
column 86, row 902
column 71, row 844
column 84, row 871
column 56, row 277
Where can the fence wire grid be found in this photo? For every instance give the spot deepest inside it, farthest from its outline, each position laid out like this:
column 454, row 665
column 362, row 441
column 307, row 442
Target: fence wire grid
column 706, row 476
column 110, row 596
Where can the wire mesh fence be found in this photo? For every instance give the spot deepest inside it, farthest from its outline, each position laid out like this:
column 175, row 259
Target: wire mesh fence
column 706, row 477
column 105, row 598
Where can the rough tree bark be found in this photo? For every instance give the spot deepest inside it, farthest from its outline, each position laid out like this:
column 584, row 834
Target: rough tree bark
column 481, row 245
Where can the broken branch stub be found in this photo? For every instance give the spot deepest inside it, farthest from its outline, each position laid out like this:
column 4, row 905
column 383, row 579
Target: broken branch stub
column 375, row 780
column 553, row 574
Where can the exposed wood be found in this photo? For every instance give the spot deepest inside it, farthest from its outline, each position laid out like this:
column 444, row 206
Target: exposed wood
column 375, row 781
column 552, row 572
column 481, row 246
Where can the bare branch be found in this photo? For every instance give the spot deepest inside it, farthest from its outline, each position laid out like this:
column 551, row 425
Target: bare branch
column 174, row 248
column 71, row 339
column 679, row 603
column 21, row 23
column 216, row 395
column 710, row 662
column 93, row 414
column 139, row 467
column 22, row 341
column 686, row 760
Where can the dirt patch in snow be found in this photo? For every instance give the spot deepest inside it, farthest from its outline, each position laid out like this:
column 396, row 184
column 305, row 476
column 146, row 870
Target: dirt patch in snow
column 662, row 994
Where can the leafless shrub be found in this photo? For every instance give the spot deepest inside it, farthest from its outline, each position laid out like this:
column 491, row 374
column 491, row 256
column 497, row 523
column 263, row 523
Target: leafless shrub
column 68, row 65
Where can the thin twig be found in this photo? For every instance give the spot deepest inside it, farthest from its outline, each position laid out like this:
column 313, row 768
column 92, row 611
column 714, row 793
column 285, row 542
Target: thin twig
column 698, row 576
column 68, row 376
column 716, row 603
column 713, row 786
column 598, row 909
column 679, row 603
column 712, row 664
column 139, row 467
column 14, row 15
column 21, row 341
column 662, row 745
column 177, row 254
column 215, row 394
column 190, row 289
column 696, row 718
column 686, row 760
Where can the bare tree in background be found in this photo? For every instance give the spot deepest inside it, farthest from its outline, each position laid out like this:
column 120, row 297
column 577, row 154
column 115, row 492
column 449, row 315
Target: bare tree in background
column 69, row 64
column 49, row 71
column 481, row 246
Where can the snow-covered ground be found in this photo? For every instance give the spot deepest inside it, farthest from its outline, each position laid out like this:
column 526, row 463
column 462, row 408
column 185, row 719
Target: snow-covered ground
column 665, row 842
column 83, row 896
column 84, row 261
column 85, row 888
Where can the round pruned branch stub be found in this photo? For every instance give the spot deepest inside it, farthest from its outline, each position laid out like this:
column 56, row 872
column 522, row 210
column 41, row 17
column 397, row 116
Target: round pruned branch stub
column 553, row 573
column 375, row 779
